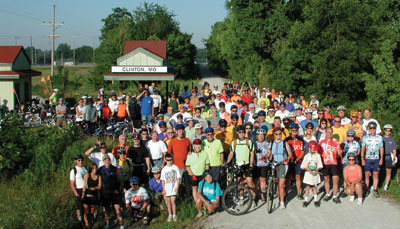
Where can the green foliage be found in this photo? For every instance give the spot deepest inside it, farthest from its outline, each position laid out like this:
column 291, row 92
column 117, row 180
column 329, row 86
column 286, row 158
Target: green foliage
column 63, row 50
column 181, row 52
column 84, row 54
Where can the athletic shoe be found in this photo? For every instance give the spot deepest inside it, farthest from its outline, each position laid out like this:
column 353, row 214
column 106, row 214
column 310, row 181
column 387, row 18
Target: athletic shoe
column 305, row 204
column 343, row 194
column 283, row 205
column 317, row 204
column 359, row 202
column 352, row 198
column 169, row 219
column 336, row 200
column 121, row 227
column 376, row 194
column 145, row 220
column 199, row 215
column 327, row 198
column 367, row 192
column 174, row 218
column 300, row 197
column 385, row 188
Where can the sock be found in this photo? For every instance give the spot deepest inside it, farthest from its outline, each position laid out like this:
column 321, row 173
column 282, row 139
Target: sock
column 334, row 197
column 315, row 197
column 80, row 218
column 306, row 199
column 328, row 194
column 360, row 199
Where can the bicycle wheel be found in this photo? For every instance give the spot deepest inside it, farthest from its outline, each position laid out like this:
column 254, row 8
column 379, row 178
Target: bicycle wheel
column 270, row 195
column 237, row 199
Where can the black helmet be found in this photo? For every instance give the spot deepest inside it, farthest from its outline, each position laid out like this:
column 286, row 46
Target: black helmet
column 240, row 127
column 223, row 123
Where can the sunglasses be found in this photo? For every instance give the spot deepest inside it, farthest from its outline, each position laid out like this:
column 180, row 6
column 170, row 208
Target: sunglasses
column 295, row 130
column 350, row 136
column 168, row 160
column 351, row 159
column 278, row 134
column 309, row 128
column 170, row 132
column 103, row 147
column 337, row 121
column 240, row 132
column 354, row 116
column 372, row 128
column 234, row 110
column 79, row 160
column 248, row 128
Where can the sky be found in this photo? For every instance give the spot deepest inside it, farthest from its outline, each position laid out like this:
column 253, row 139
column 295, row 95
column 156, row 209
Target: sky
column 21, row 19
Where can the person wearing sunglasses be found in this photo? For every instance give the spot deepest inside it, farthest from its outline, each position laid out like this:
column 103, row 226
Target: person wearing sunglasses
column 339, row 132
column 309, row 114
column 367, row 119
column 215, row 151
column 342, row 114
column 390, row 147
column 97, row 157
column 170, row 178
column 140, row 158
column 224, row 136
column 297, row 147
column 354, row 125
column 352, row 176
column 121, row 143
column 125, row 166
column 372, row 158
column 350, row 146
column 320, row 133
column 76, row 183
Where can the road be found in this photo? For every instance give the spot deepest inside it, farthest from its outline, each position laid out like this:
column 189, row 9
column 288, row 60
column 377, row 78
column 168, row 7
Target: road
column 374, row 213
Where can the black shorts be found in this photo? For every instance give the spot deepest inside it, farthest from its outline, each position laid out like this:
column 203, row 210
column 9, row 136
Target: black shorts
column 92, row 200
column 331, row 170
column 245, row 171
column 388, row 162
column 110, row 197
column 195, row 180
column 79, row 200
column 292, row 169
column 260, row 172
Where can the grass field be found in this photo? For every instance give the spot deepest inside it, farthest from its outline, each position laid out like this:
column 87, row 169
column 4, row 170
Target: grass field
column 80, row 70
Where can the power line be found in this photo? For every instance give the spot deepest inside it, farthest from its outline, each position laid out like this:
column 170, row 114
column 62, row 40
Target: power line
column 53, row 36
column 21, row 15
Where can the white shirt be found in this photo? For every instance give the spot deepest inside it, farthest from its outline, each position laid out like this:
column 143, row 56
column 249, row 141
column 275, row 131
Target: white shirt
column 365, row 125
column 136, row 198
column 217, row 101
column 156, row 100
column 281, row 114
column 78, row 177
column 170, row 176
column 345, row 121
column 228, row 106
column 300, row 118
column 315, row 114
column 97, row 157
column 113, row 105
column 156, row 149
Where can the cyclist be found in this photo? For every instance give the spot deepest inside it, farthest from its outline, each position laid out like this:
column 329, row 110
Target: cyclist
column 339, row 132
column 352, row 176
column 308, row 119
column 354, row 125
column 122, row 110
column 140, row 158
column 196, row 163
column 312, row 163
column 137, row 200
column 367, row 119
column 372, row 157
column 261, row 118
column 157, row 150
column 330, row 151
column 297, row 147
column 125, row 166
column 97, row 157
column 61, row 111
column 350, row 146
column 224, row 136
column 280, row 151
column 282, row 112
column 122, row 144
column 242, row 153
column 170, row 178
column 342, row 115
column 390, row 147
column 277, row 124
column 261, row 162
column 76, row 183
column 320, row 133
column 209, row 193
column 215, row 151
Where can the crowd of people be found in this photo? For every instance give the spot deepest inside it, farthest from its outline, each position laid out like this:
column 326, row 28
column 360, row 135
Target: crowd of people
column 203, row 130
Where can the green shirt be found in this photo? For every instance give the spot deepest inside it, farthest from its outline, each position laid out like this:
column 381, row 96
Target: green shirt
column 214, row 150
column 190, row 132
column 197, row 162
column 53, row 99
column 242, row 151
column 266, row 100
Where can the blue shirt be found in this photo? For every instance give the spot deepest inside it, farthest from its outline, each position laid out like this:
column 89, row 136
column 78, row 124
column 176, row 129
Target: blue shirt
column 289, row 107
column 305, row 122
column 186, row 94
column 353, row 147
column 154, row 186
column 208, row 191
column 278, row 151
column 146, row 105
column 372, row 144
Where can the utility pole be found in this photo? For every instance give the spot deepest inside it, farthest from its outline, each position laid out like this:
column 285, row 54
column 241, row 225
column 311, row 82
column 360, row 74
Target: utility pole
column 31, row 49
column 74, row 50
column 44, row 57
column 53, row 36
column 35, row 57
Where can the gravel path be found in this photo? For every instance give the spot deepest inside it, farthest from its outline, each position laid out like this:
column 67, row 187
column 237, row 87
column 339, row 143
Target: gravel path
column 210, row 77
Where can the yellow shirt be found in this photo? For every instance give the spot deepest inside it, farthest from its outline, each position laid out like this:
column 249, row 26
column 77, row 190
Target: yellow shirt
column 232, row 130
column 340, row 133
column 356, row 127
column 270, row 134
column 226, row 139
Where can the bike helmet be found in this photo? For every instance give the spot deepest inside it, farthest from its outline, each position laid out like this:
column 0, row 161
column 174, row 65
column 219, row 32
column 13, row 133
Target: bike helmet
column 209, row 130
column 155, row 169
column 351, row 132
column 372, row 124
column 261, row 131
column 292, row 114
column 261, row 113
column 235, row 116
column 121, row 150
column 223, row 123
column 240, row 128
column 78, row 156
column 308, row 111
column 134, row 180
column 294, row 126
column 388, row 126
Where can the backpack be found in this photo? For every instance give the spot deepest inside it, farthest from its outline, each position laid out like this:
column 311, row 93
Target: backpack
column 235, row 144
column 215, row 186
column 284, row 148
column 76, row 171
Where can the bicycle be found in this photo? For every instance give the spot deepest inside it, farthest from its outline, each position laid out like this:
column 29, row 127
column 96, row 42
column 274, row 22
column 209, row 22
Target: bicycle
column 271, row 185
column 237, row 198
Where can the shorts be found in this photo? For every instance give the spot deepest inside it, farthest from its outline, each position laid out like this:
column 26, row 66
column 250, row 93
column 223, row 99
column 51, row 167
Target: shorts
column 371, row 164
column 215, row 171
column 245, row 170
column 110, row 197
column 291, row 169
column 79, row 200
column 92, row 200
column 196, row 181
column 388, row 162
column 331, row 170
column 61, row 121
column 281, row 170
column 299, row 171
column 260, row 172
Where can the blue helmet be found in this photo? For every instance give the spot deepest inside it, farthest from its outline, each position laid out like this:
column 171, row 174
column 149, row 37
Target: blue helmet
column 351, row 132
column 261, row 113
column 134, row 180
column 209, row 130
column 294, row 126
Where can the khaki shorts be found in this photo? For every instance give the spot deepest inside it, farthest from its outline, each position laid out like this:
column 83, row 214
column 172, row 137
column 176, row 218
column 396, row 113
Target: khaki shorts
column 61, row 121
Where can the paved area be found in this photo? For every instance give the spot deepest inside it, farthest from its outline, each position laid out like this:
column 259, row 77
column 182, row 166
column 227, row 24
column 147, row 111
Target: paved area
column 210, row 77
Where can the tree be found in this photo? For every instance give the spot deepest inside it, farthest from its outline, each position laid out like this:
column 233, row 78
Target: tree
column 181, row 52
column 63, row 50
column 84, row 54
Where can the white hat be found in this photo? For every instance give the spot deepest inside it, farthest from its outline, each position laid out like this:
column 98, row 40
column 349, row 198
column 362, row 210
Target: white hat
column 388, row 126
column 55, row 89
column 308, row 110
column 198, row 126
column 84, row 97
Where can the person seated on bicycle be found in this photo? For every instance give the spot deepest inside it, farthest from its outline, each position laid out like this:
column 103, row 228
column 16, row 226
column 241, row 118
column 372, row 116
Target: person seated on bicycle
column 209, row 193
column 137, row 201
column 311, row 164
column 242, row 152
column 281, row 153
column 262, row 162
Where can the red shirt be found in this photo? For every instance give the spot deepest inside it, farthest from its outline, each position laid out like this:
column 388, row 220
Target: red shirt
column 105, row 112
column 296, row 145
column 247, row 99
column 179, row 149
column 330, row 149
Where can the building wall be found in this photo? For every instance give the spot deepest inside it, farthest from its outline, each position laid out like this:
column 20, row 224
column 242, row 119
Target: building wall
column 5, row 67
column 140, row 59
column 21, row 62
column 6, row 92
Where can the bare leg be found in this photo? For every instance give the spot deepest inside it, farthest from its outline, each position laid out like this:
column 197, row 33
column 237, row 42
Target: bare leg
column 168, row 203
column 388, row 177
column 194, row 193
column 335, row 180
column 281, row 189
column 376, row 180
column 327, row 185
column 367, row 175
column 173, row 205
column 307, row 191
column 298, row 183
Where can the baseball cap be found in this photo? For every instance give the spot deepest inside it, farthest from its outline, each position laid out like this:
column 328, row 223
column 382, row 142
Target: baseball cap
column 351, row 155
column 261, row 113
column 106, row 157
column 134, row 180
column 292, row 114
column 189, row 119
column 294, row 126
column 198, row 126
column 388, row 126
column 179, row 127
column 298, row 107
column 234, row 107
column 55, row 89
column 78, row 156
column 196, row 141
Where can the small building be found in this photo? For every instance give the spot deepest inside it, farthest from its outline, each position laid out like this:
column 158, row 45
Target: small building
column 142, row 61
column 15, row 75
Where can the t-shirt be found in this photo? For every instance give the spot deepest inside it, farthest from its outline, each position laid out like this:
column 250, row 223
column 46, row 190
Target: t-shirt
column 113, row 104
column 126, row 168
column 53, row 99
column 156, row 149
column 214, row 150
column 353, row 147
column 90, row 113
column 156, row 100
column 339, row 133
column 170, row 176
column 225, row 139
column 78, row 177
column 282, row 114
column 154, row 186
column 208, row 191
column 194, row 136
column 97, row 157
column 261, row 152
column 136, row 198
column 296, row 145
column 189, row 132
column 330, row 149
column 389, row 145
column 242, row 151
column 146, row 105
column 202, row 121
column 138, row 154
column 356, row 127
column 214, row 120
column 372, row 144
column 61, row 108
column 197, row 162
column 122, row 110
column 109, row 177
column 180, row 150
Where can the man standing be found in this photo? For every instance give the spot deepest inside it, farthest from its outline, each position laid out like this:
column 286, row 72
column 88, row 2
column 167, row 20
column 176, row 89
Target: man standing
column 339, row 131
column 157, row 149
column 198, row 134
column 215, row 152
column 308, row 119
column 224, row 136
column 61, row 110
column 97, row 157
column 372, row 157
column 342, row 114
column 297, row 147
column 390, row 147
column 146, row 103
column 282, row 112
column 76, row 183
column 330, row 151
column 367, row 119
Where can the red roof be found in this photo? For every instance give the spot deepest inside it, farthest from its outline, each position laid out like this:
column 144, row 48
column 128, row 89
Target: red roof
column 20, row 73
column 158, row 48
column 9, row 53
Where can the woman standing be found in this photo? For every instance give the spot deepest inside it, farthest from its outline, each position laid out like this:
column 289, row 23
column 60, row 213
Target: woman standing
column 90, row 193
column 262, row 162
column 320, row 133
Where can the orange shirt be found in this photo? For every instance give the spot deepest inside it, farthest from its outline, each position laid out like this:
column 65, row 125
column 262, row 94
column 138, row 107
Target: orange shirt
column 226, row 139
column 121, row 110
column 179, row 150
